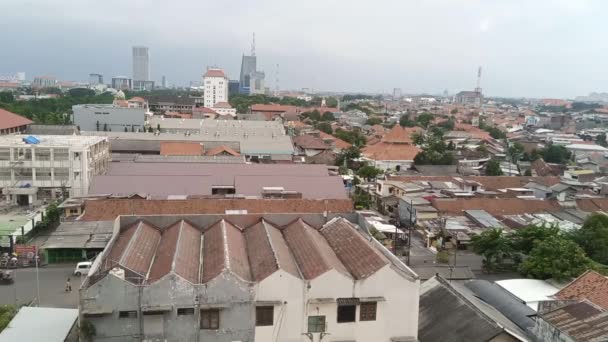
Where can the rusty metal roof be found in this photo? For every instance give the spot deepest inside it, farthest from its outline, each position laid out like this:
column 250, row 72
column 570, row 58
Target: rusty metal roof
column 582, row 321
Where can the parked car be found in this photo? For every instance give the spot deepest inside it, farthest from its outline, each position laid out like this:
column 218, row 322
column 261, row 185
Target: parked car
column 82, row 268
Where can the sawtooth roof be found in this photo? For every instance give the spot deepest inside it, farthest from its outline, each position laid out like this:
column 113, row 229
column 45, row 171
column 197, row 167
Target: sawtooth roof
column 251, row 253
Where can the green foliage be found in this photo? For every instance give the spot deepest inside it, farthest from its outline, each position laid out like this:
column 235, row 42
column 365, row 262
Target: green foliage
column 556, row 154
column 7, row 312
column 454, row 111
column 368, row 172
column 525, row 238
column 601, row 140
column 328, row 116
column 352, row 137
column 243, row 102
column 443, row 257
column 493, row 168
column 555, row 257
column 515, row 152
column 49, row 221
column 81, row 92
column 435, row 151
column 528, row 173
column 357, row 106
column 346, row 156
column 376, row 234
column 6, row 97
column 494, row 246
column 424, row 120
column 593, row 237
column 51, row 111
column 417, row 138
column 447, row 125
column 352, row 97
column 494, row 131
column 324, row 127
column 404, row 121
column 331, row 102
column 362, row 199
column 451, row 146
column 374, row 121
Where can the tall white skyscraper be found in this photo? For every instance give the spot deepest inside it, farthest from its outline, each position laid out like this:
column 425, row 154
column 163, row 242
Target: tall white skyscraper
column 141, row 63
column 215, row 85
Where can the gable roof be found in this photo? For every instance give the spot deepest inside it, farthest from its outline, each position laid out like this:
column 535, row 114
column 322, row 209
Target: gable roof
column 338, row 143
column 591, row 286
column 390, row 151
column 12, row 120
column 222, row 149
column 308, row 141
column 215, row 73
column 581, row 321
column 401, row 135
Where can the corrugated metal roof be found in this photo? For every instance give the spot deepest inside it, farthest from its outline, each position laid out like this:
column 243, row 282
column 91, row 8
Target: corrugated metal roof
column 40, row 324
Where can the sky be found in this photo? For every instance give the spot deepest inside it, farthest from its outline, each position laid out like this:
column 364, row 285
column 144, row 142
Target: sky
column 527, row 48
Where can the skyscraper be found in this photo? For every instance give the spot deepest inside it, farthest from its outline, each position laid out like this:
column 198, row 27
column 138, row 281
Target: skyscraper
column 141, row 64
column 216, row 87
column 251, row 80
column 95, row 79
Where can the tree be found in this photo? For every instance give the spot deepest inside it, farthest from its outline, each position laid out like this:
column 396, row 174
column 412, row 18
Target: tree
column 324, row 127
column 373, row 121
column 556, row 154
column 593, row 237
column 494, row 246
column 80, row 92
column 417, row 138
column 493, row 168
column 601, row 140
column 516, row 151
column 404, row 121
column 6, row 97
column 451, row 146
column 424, row 119
column 454, row 111
column 368, row 172
column 525, row 238
column 528, row 173
column 352, row 137
column 555, row 257
column 347, row 155
column 328, row 116
column 331, row 102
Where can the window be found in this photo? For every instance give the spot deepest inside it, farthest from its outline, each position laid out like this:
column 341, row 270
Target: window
column 264, row 315
column 185, row 311
column 210, row 319
column 346, row 313
column 368, row 311
column 316, row 324
column 127, row 314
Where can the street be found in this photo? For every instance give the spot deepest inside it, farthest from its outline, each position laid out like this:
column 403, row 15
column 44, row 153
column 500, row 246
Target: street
column 52, row 287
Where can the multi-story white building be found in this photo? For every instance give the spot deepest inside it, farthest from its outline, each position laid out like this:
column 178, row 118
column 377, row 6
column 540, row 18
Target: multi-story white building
column 49, row 164
column 215, row 85
column 141, row 63
column 279, row 277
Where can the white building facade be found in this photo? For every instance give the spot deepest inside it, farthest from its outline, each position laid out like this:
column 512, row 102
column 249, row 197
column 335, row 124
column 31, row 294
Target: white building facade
column 52, row 165
column 215, row 85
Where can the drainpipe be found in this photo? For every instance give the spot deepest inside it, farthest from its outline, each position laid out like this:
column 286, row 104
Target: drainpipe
column 197, row 313
column 140, row 316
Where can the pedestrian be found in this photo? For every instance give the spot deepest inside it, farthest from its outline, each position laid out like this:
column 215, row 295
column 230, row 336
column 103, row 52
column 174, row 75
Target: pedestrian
column 68, row 286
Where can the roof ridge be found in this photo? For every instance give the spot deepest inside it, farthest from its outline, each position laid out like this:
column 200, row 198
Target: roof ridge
column 124, row 252
column 179, row 237
column 274, row 252
column 225, row 245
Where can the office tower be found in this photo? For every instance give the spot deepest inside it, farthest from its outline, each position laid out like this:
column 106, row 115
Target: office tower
column 251, row 80
column 163, row 82
column 141, row 63
column 95, row 79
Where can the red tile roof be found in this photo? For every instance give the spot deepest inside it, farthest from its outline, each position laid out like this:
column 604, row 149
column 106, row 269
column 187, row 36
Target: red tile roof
column 401, row 135
column 137, row 99
column 12, row 120
column 109, row 209
column 590, row 285
column 592, row 204
column 359, row 257
column 475, row 132
column 389, row 151
column 223, row 149
column 171, row 148
column 495, row 206
column 204, row 110
column 215, row 73
column 338, row 143
column 251, row 252
column 308, row 141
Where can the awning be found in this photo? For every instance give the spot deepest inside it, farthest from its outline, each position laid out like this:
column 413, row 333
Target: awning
column 158, row 308
column 268, row 302
column 348, row 301
column 320, row 300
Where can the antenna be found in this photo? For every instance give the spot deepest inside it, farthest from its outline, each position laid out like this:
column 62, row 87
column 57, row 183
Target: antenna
column 253, row 45
column 478, row 78
column 277, row 82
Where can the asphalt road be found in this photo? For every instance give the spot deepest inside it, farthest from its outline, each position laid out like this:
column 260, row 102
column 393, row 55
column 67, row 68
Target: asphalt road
column 52, row 287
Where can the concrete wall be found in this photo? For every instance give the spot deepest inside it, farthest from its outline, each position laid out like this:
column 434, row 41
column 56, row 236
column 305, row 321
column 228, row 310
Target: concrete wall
column 546, row 332
column 116, row 118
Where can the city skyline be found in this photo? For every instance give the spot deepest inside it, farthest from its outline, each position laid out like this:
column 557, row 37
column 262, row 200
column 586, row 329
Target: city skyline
column 526, row 49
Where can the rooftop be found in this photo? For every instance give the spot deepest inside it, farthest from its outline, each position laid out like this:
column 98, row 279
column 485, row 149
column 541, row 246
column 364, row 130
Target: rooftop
column 12, row 120
column 215, row 73
column 591, row 286
column 52, row 325
column 198, row 179
column 51, row 140
column 251, row 248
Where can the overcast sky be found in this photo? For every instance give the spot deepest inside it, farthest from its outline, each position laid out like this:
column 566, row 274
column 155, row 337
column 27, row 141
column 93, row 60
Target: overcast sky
column 533, row 48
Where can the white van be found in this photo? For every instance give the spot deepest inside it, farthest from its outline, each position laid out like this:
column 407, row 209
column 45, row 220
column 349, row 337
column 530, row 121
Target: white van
column 82, row 268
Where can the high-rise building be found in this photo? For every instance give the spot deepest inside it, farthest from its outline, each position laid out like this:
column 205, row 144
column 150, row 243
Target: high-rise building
column 95, row 79
column 396, row 93
column 141, row 63
column 163, row 82
column 122, row 83
column 215, row 85
column 233, row 87
column 252, row 80
column 20, row 76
